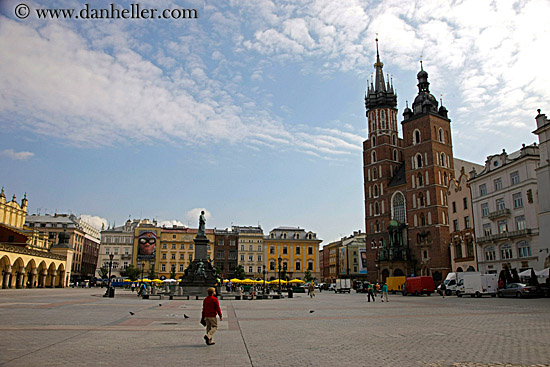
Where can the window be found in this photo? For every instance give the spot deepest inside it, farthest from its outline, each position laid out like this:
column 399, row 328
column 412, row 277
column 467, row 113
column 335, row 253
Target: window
column 232, row 243
column 520, row 222
column 298, row 268
column 490, row 253
column 116, row 250
column 394, row 153
column 416, row 139
column 500, row 204
column 259, row 269
column 163, row 256
column 297, row 250
column 484, row 210
column 190, row 246
column 310, row 250
column 125, row 265
column 232, row 255
column 419, row 161
column 259, row 247
column 441, row 135
column 272, row 250
column 126, row 251
column 190, row 257
column 498, row 184
column 181, row 267
column 505, row 252
column 373, row 157
column 242, row 247
column 173, row 246
column 518, row 201
column 398, row 207
column 250, row 257
column 455, row 225
column 310, row 266
column 107, row 250
column 250, row 247
column 242, row 257
column 285, row 250
column 250, row 269
column 373, row 141
column 220, row 254
column 164, row 246
column 502, row 226
column 443, row 160
column 182, row 256
column 182, row 246
column 259, row 257
column 220, row 242
column 514, row 178
column 524, row 249
column 374, row 174
column 487, row 229
column 466, row 222
column 465, row 202
column 173, row 257
column 454, row 207
column 482, row 190
column 272, row 265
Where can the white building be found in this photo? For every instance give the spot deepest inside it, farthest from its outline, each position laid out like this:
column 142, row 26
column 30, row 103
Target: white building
column 543, row 182
column 505, row 211
column 118, row 241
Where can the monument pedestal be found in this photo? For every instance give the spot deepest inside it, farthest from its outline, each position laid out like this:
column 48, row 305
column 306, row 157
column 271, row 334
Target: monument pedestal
column 200, row 274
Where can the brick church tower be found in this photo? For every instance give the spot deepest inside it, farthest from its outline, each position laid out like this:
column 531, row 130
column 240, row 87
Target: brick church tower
column 405, row 182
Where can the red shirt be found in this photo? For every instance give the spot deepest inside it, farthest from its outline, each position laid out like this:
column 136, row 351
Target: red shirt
column 211, row 307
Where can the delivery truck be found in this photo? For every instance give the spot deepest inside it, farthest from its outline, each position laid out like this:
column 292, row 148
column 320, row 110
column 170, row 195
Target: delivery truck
column 395, row 284
column 343, row 285
column 477, row 285
column 419, row 285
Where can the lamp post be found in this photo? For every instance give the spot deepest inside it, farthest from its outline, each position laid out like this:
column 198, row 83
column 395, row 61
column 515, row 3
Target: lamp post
column 110, row 293
column 142, row 267
column 264, row 276
column 279, row 260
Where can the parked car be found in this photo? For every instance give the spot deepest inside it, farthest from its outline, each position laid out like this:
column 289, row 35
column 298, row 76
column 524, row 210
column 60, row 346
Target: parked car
column 518, row 290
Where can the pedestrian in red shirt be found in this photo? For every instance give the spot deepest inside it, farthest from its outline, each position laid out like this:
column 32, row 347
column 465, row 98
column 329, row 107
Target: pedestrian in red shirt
column 210, row 308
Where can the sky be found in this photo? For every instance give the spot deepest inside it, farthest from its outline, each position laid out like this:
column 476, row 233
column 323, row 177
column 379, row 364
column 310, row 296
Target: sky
column 254, row 110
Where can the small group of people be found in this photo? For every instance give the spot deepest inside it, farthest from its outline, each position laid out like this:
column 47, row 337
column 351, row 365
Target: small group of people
column 311, row 290
column 373, row 289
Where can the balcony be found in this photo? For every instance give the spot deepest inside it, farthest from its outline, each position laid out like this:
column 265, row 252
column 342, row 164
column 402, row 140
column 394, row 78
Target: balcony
column 505, row 236
column 502, row 213
column 125, row 256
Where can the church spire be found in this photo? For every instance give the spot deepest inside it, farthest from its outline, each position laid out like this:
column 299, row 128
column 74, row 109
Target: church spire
column 379, row 94
column 380, row 86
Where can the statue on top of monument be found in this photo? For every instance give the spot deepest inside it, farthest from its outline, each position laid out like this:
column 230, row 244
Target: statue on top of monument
column 202, row 225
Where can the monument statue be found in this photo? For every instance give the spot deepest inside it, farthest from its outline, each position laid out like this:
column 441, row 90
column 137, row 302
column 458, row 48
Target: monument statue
column 202, row 225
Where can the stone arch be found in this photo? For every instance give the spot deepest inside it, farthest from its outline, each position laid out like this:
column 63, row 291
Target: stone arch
column 459, row 270
column 398, row 273
column 30, row 274
column 385, row 274
column 42, row 270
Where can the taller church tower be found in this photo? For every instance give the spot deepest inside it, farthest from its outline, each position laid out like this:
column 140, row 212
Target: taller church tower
column 382, row 159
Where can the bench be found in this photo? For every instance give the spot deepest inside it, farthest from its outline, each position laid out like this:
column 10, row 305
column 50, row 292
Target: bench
column 149, row 296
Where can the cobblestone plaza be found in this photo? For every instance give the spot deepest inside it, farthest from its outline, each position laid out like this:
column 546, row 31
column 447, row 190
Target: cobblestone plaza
column 78, row 327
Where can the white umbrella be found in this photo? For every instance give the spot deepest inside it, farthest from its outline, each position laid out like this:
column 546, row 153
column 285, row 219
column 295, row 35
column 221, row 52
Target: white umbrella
column 544, row 273
column 169, row 280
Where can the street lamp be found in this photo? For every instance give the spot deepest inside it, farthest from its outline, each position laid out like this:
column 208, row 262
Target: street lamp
column 279, row 260
column 109, row 292
column 264, row 276
column 142, row 267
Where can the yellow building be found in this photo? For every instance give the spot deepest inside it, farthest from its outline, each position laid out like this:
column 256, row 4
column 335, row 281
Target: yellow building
column 298, row 250
column 251, row 250
column 332, row 251
column 27, row 257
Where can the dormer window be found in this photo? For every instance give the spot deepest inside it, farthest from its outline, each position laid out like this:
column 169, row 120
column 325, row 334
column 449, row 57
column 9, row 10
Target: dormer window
column 284, row 235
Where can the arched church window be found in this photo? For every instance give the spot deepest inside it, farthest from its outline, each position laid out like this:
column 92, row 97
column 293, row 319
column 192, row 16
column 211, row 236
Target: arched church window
column 443, row 160
column 421, row 199
column 376, row 209
column 373, row 141
column 441, row 135
column 416, row 139
column 398, row 207
column 420, row 179
column 422, row 219
column 376, row 191
column 394, row 139
column 374, row 173
column 373, row 157
column 418, row 161
column 395, row 155
column 383, row 119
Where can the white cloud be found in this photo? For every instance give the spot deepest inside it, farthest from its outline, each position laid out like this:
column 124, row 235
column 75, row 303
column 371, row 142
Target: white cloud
column 95, row 221
column 20, row 156
column 193, row 216
column 170, row 223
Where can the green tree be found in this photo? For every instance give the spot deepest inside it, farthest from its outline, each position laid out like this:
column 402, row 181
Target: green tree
column 239, row 272
column 103, row 272
column 173, row 272
column 307, row 276
column 131, row 272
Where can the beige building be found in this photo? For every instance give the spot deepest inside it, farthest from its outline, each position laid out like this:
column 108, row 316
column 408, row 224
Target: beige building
column 543, row 184
column 506, row 212
column 28, row 258
column 251, row 250
column 461, row 218
column 84, row 239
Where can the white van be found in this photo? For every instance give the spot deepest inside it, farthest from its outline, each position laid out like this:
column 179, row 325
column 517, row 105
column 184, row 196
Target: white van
column 450, row 284
column 476, row 285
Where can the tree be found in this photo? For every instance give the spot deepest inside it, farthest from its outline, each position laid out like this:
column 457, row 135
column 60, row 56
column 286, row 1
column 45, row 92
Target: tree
column 239, row 272
column 173, row 272
column 307, row 276
column 151, row 274
column 131, row 272
column 103, row 272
